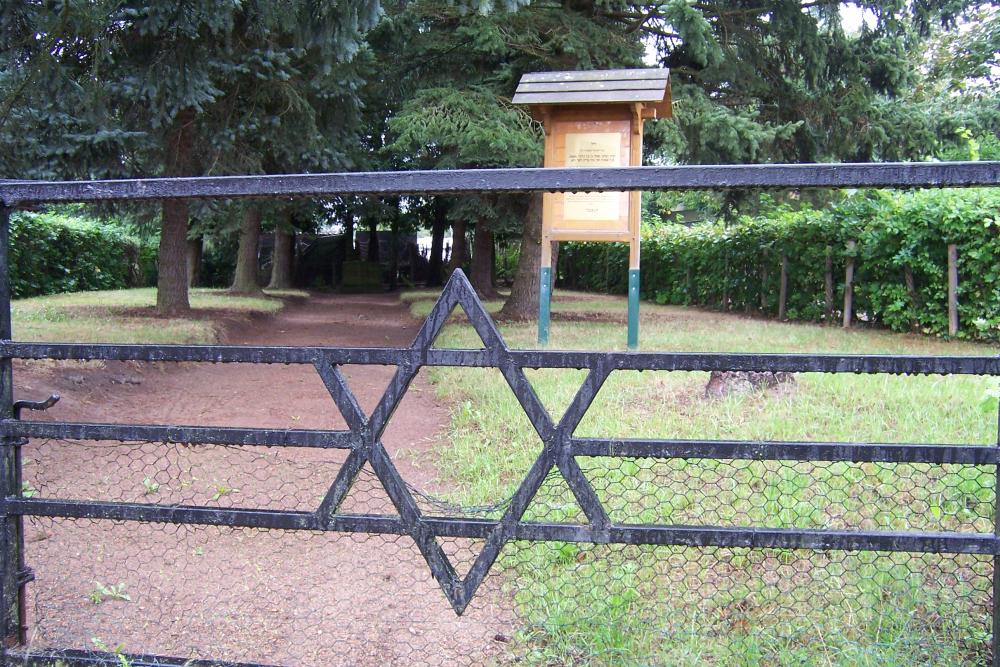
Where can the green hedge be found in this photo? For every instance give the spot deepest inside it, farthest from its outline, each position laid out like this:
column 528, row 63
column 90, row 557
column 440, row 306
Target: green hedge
column 894, row 231
column 51, row 253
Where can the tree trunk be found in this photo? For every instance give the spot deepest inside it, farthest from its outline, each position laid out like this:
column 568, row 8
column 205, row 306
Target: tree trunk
column 459, row 251
column 783, row 289
column 394, row 253
column 523, row 301
column 195, row 250
column 493, row 261
column 347, row 253
column 435, row 263
column 763, row 283
column 849, row 285
column 481, row 272
column 373, row 241
column 281, row 258
column 828, row 287
column 952, row 289
column 725, row 284
column 245, row 276
column 172, row 272
column 349, row 240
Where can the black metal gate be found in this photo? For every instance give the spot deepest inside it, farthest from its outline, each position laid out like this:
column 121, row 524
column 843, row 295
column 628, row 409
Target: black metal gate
column 967, row 556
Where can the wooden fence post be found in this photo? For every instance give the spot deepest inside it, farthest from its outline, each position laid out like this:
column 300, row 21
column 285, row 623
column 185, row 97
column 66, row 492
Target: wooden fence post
column 952, row 289
column 763, row 283
column 849, row 285
column 783, row 289
column 725, row 285
column 911, row 291
column 828, row 292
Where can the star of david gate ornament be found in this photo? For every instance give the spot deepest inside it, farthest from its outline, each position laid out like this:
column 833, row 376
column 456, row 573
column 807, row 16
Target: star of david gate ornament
column 366, row 444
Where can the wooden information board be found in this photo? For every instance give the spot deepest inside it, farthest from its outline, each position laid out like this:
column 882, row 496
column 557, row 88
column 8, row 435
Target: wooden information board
column 577, row 215
column 593, row 119
column 597, row 136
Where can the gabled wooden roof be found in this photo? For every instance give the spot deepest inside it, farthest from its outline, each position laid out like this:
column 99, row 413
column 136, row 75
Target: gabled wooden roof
column 650, row 87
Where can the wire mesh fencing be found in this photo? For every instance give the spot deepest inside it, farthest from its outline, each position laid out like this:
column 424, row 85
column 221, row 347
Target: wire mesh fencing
column 288, row 597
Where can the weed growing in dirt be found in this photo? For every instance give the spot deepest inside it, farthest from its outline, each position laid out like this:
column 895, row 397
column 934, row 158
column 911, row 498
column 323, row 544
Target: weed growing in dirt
column 222, row 490
column 118, row 651
column 110, row 592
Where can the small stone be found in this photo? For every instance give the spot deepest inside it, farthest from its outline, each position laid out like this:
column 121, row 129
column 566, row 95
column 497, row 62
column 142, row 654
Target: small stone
column 76, row 379
column 126, row 379
column 501, row 638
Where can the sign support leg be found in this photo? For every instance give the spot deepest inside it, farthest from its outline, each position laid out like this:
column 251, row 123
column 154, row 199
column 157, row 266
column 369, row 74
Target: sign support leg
column 633, row 309
column 544, row 290
column 544, row 302
column 635, row 203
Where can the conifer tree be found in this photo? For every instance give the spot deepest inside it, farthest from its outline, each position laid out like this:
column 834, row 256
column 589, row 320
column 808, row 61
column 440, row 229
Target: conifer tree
column 127, row 89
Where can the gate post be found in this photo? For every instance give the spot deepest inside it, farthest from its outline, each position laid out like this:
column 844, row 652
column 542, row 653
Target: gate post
column 996, row 557
column 10, row 533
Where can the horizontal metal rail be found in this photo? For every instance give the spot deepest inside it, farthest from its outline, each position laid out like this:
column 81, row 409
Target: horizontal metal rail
column 772, row 450
column 855, row 452
column 78, row 658
column 638, row 361
column 702, row 536
column 194, row 435
column 468, row 181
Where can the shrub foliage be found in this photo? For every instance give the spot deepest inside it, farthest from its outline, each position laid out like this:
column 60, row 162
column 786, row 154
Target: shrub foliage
column 53, row 252
column 897, row 234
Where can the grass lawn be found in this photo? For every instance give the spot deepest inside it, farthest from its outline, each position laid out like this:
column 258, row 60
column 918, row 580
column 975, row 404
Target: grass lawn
column 600, row 604
column 128, row 316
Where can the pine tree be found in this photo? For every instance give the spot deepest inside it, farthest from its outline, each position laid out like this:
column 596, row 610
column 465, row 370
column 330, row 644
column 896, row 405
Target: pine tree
column 126, row 89
column 450, row 106
column 763, row 81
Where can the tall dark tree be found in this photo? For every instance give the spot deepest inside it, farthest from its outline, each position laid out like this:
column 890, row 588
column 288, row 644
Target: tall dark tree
column 112, row 88
column 283, row 253
column 779, row 81
column 461, row 71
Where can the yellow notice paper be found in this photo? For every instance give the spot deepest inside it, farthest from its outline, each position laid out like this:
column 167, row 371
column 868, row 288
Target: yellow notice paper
column 593, row 149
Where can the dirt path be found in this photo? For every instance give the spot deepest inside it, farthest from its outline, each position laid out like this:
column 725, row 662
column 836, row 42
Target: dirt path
column 244, row 594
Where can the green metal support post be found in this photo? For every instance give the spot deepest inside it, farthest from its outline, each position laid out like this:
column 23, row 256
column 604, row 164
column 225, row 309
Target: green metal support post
column 633, row 309
column 544, row 303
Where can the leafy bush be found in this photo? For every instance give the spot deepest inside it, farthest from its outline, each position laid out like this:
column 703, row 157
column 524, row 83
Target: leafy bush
column 508, row 254
column 54, row 252
column 218, row 261
column 897, row 234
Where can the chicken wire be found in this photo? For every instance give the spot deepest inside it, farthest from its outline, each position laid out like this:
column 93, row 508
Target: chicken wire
column 329, row 598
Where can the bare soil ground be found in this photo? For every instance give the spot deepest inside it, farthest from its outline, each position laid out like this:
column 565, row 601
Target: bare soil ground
column 244, row 594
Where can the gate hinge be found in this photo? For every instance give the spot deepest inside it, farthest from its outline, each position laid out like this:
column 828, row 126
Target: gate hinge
column 25, row 576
